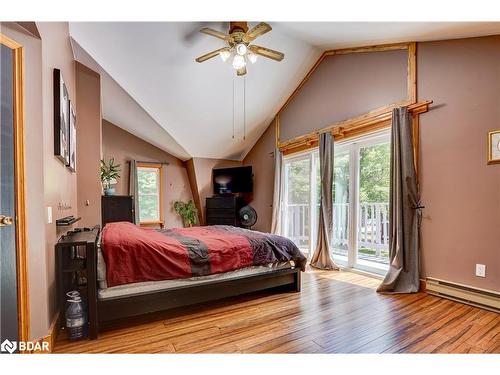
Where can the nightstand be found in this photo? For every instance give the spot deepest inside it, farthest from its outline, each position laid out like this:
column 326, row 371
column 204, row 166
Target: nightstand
column 76, row 263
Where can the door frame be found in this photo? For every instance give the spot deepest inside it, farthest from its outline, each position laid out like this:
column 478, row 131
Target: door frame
column 20, row 190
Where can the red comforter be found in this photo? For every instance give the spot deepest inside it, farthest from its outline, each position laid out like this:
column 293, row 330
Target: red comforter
column 133, row 254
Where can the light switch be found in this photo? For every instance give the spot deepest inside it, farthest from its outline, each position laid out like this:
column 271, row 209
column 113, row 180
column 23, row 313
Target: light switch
column 49, row 215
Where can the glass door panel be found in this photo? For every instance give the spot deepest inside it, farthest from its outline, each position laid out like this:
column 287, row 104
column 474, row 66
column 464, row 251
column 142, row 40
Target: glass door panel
column 373, row 206
column 341, row 202
column 297, row 201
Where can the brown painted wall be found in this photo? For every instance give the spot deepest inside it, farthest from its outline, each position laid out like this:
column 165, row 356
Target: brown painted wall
column 200, row 173
column 59, row 182
column 343, row 87
column 261, row 158
column 461, row 193
column 123, row 146
column 89, row 139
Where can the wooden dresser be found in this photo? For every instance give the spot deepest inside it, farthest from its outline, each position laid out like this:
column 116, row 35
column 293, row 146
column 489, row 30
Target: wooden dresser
column 117, row 208
column 223, row 210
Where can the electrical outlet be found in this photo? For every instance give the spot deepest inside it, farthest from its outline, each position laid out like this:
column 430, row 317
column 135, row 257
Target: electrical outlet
column 481, row 270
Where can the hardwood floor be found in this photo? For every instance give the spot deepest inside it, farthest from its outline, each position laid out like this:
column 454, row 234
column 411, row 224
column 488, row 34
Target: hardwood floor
column 336, row 312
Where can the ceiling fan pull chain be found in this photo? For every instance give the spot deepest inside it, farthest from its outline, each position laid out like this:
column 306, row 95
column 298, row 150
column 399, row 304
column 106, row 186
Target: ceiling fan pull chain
column 233, row 107
column 244, row 107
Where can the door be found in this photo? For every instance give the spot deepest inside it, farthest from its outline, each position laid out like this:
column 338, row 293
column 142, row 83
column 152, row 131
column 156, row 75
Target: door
column 8, row 270
column 13, row 292
column 361, row 203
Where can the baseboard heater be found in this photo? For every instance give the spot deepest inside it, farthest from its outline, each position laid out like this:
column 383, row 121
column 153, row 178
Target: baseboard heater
column 482, row 298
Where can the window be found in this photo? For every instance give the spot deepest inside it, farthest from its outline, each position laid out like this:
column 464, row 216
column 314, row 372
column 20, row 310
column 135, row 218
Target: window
column 149, row 177
column 360, row 236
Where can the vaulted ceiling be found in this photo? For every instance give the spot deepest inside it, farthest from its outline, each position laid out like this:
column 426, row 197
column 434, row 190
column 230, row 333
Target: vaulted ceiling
column 153, row 88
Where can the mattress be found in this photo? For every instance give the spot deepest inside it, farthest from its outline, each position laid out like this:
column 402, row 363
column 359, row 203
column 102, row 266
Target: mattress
column 157, row 286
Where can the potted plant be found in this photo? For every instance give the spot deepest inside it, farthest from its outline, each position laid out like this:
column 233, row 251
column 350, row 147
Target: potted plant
column 109, row 175
column 188, row 212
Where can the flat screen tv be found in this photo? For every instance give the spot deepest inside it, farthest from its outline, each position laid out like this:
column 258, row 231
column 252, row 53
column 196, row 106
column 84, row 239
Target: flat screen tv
column 233, row 180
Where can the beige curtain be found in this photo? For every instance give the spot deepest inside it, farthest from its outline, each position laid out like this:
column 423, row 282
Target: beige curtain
column 133, row 188
column 277, row 195
column 321, row 257
column 404, row 210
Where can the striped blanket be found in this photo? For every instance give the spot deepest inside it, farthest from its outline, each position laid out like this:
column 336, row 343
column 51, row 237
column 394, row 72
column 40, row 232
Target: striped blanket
column 133, row 254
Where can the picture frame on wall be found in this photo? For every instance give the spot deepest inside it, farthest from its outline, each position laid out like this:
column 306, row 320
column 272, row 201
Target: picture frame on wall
column 61, row 118
column 494, row 147
column 72, row 138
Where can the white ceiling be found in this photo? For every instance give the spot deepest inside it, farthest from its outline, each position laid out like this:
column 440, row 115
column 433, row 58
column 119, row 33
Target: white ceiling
column 153, row 88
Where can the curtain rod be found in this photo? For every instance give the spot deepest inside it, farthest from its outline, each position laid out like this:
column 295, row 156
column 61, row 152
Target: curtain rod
column 150, row 162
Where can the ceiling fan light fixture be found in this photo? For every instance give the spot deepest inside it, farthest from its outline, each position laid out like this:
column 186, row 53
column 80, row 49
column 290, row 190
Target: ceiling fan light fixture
column 252, row 57
column 238, row 62
column 241, row 49
column 225, row 55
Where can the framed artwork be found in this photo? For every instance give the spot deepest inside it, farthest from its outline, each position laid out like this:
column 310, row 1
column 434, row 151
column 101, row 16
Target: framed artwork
column 72, row 138
column 61, row 118
column 494, row 147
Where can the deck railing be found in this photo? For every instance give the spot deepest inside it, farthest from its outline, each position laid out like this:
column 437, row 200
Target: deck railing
column 372, row 228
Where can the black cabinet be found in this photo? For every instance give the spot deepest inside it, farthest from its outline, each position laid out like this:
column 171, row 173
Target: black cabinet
column 224, row 210
column 117, row 208
column 76, row 265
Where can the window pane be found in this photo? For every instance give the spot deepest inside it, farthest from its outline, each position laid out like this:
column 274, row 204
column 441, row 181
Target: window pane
column 373, row 215
column 341, row 201
column 297, row 187
column 148, row 180
column 149, row 194
column 149, row 208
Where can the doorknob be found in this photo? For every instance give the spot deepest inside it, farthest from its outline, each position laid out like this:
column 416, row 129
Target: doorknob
column 5, row 221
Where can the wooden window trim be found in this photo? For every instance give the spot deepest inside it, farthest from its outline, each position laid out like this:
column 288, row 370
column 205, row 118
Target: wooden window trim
column 159, row 167
column 363, row 125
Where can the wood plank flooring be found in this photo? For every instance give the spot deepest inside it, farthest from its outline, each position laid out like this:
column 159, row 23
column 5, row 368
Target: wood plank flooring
column 336, row 312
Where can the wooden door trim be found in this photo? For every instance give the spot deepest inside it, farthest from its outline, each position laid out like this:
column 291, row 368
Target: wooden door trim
column 20, row 191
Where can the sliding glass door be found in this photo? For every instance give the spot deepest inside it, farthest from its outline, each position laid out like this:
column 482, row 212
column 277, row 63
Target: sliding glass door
column 361, row 202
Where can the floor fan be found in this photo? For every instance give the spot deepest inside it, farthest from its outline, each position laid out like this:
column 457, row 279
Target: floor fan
column 248, row 217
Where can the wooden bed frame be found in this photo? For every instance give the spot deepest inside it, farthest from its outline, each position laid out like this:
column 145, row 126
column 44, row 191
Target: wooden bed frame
column 101, row 311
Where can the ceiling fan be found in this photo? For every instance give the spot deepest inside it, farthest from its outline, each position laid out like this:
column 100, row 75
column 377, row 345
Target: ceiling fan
column 238, row 45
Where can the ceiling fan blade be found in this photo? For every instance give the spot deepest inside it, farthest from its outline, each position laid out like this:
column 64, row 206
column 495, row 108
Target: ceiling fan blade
column 242, row 71
column 217, row 34
column 209, row 55
column 266, row 52
column 256, row 31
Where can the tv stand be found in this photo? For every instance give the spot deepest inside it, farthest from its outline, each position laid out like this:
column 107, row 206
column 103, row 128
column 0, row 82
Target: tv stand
column 223, row 210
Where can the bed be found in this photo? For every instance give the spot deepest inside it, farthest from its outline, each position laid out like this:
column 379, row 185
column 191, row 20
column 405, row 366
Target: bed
column 144, row 270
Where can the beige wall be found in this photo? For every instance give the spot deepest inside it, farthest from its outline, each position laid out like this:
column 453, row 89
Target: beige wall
column 123, row 146
column 461, row 193
column 200, row 175
column 261, row 158
column 343, row 87
column 88, row 148
column 59, row 181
